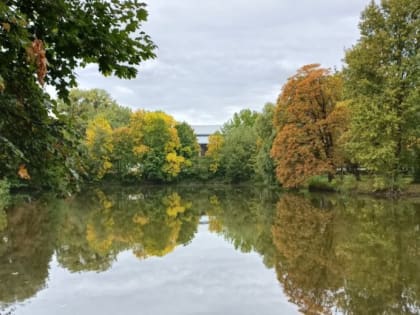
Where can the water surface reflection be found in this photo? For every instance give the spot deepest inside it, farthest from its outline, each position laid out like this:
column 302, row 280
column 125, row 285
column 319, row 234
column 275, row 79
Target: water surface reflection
column 330, row 254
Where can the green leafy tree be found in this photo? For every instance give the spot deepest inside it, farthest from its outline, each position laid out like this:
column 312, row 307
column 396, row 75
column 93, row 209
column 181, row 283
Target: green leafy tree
column 238, row 153
column 4, row 202
column 84, row 105
column 45, row 146
column 246, row 222
column 103, row 32
column 189, row 147
column 245, row 117
column 264, row 166
column 378, row 258
column 382, row 80
column 44, row 42
column 122, row 157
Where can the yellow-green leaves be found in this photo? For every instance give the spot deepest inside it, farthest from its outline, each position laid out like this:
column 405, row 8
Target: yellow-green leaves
column 173, row 164
column 156, row 144
column 148, row 147
column 100, row 146
column 382, row 79
column 213, row 151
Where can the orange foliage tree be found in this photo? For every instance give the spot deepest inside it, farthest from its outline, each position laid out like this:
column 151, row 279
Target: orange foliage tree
column 309, row 118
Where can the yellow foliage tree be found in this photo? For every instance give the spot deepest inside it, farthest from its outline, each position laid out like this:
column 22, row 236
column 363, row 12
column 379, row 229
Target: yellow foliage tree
column 155, row 143
column 213, row 150
column 173, row 164
column 99, row 146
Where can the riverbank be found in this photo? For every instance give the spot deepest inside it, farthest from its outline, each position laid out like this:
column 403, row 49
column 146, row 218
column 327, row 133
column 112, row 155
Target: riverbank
column 367, row 185
column 346, row 185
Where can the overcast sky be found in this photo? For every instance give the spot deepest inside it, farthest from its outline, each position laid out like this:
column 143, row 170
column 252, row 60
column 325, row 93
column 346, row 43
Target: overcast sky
column 216, row 57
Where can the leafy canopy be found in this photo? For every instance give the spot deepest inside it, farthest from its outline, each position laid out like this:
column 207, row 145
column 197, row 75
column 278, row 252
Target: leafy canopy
column 309, row 122
column 43, row 42
column 382, row 79
column 73, row 33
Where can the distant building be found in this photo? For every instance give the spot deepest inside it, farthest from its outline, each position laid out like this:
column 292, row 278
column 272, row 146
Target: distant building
column 203, row 132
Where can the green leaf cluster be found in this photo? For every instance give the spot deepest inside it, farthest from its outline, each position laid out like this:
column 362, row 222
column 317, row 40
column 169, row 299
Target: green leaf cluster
column 44, row 42
column 381, row 80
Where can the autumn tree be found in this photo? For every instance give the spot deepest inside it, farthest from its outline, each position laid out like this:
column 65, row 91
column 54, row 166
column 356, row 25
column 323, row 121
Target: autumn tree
column 382, row 80
column 156, row 144
column 214, row 148
column 83, row 108
column 152, row 146
column 99, row 146
column 189, row 148
column 309, row 119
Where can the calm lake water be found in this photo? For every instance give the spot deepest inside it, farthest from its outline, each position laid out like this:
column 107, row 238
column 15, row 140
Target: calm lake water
column 209, row 251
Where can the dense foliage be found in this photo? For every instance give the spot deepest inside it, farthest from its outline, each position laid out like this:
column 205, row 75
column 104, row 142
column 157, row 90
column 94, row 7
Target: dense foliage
column 43, row 43
column 152, row 146
column 363, row 119
column 382, row 77
column 309, row 122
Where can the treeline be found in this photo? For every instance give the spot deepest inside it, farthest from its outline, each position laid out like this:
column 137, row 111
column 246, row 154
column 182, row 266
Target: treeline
column 365, row 118
column 116, row 143
column 130, row 146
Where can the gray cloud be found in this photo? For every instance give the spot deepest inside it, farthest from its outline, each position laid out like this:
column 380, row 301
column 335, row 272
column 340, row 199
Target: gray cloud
column 216, row 57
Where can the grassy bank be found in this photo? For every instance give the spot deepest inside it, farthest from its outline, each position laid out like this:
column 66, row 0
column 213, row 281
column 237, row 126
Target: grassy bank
column 373, row 185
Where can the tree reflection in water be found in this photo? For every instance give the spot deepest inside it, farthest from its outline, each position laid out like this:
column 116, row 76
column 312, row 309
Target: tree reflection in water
column 26, row 248
column 150, row 225
column 354, row 255
column 360, row 256
column 307, row 267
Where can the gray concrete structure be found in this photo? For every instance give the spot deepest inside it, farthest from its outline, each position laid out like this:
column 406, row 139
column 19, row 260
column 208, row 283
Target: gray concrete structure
column 203, row 132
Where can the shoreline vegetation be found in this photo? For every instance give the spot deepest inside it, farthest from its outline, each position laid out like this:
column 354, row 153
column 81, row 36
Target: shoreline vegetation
column 364, row 118
column 368, row 185
column 316, row 184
